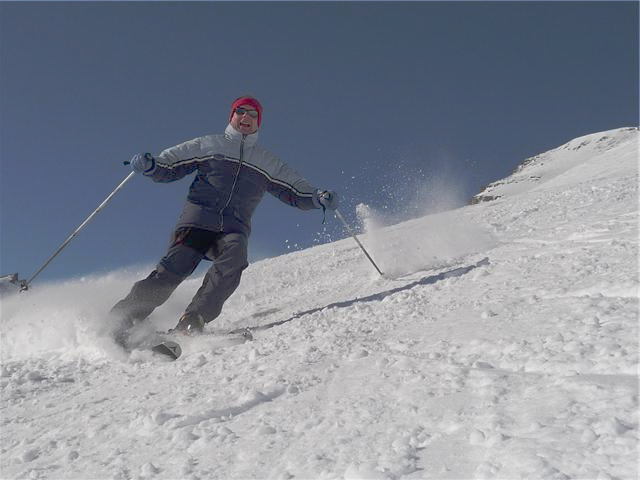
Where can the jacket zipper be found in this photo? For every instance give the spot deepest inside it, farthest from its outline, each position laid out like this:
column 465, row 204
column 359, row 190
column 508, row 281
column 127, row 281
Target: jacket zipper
column 235, row 181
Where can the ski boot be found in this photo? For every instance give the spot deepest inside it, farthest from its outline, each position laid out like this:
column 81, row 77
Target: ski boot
column 122, row 333
column 189, row 324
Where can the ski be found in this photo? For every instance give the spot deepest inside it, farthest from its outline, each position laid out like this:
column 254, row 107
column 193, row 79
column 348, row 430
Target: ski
column 167, row 348
column 173, row 350
column 157, row 344
column 245, row 333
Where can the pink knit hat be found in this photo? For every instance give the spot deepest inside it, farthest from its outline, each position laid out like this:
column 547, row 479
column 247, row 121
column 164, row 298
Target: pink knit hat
column 247, row 101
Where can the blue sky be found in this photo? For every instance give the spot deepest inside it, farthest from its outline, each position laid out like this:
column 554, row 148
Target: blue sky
column 389, row 103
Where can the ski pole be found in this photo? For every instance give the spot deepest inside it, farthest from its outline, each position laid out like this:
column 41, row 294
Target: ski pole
column 346, row 225
column 25, row 285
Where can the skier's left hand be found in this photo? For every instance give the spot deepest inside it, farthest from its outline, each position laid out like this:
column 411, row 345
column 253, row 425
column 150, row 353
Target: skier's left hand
column 328, row 199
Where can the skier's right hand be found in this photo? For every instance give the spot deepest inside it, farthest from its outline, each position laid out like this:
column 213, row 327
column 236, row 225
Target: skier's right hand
column 143, row 163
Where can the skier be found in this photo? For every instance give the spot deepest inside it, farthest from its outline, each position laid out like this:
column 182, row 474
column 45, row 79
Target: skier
column 233, row 173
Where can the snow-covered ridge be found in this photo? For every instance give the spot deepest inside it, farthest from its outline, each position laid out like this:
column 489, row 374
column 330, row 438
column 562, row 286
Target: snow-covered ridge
column 534, row 171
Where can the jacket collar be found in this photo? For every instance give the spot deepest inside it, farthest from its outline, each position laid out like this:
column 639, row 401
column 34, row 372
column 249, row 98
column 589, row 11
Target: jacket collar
column 233, row 135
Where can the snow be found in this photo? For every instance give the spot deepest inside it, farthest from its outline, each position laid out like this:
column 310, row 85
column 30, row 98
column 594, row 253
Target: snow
column 502, row 343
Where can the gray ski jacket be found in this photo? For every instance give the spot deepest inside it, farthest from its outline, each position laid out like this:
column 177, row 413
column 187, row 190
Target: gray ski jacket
column 233, row 174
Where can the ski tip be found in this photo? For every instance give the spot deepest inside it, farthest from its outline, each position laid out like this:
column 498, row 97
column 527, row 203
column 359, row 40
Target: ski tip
column 168, row 348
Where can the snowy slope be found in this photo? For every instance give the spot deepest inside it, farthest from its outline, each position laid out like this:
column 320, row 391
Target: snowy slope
column 523, row 365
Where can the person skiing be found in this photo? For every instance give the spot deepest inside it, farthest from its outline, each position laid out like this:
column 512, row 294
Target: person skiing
column 233, row 174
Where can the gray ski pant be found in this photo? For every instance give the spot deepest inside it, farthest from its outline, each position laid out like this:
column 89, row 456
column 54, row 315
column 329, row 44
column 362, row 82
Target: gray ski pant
column 189, row 246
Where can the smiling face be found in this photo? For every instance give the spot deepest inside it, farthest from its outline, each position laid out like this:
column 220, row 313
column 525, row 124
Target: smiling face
column 245, row 122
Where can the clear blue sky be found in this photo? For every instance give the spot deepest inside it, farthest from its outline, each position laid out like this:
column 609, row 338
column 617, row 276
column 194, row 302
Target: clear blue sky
column 368, row 98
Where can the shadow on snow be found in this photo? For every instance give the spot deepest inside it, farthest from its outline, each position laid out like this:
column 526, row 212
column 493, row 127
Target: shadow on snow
column 376, row 297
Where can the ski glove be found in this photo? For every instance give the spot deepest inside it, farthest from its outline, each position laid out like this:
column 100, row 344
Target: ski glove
column 328, row 199
column 143, row 163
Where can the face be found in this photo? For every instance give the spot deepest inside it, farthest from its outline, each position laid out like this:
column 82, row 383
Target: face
column 245, row 123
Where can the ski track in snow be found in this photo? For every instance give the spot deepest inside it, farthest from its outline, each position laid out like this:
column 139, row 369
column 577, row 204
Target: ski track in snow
column 522, row 366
